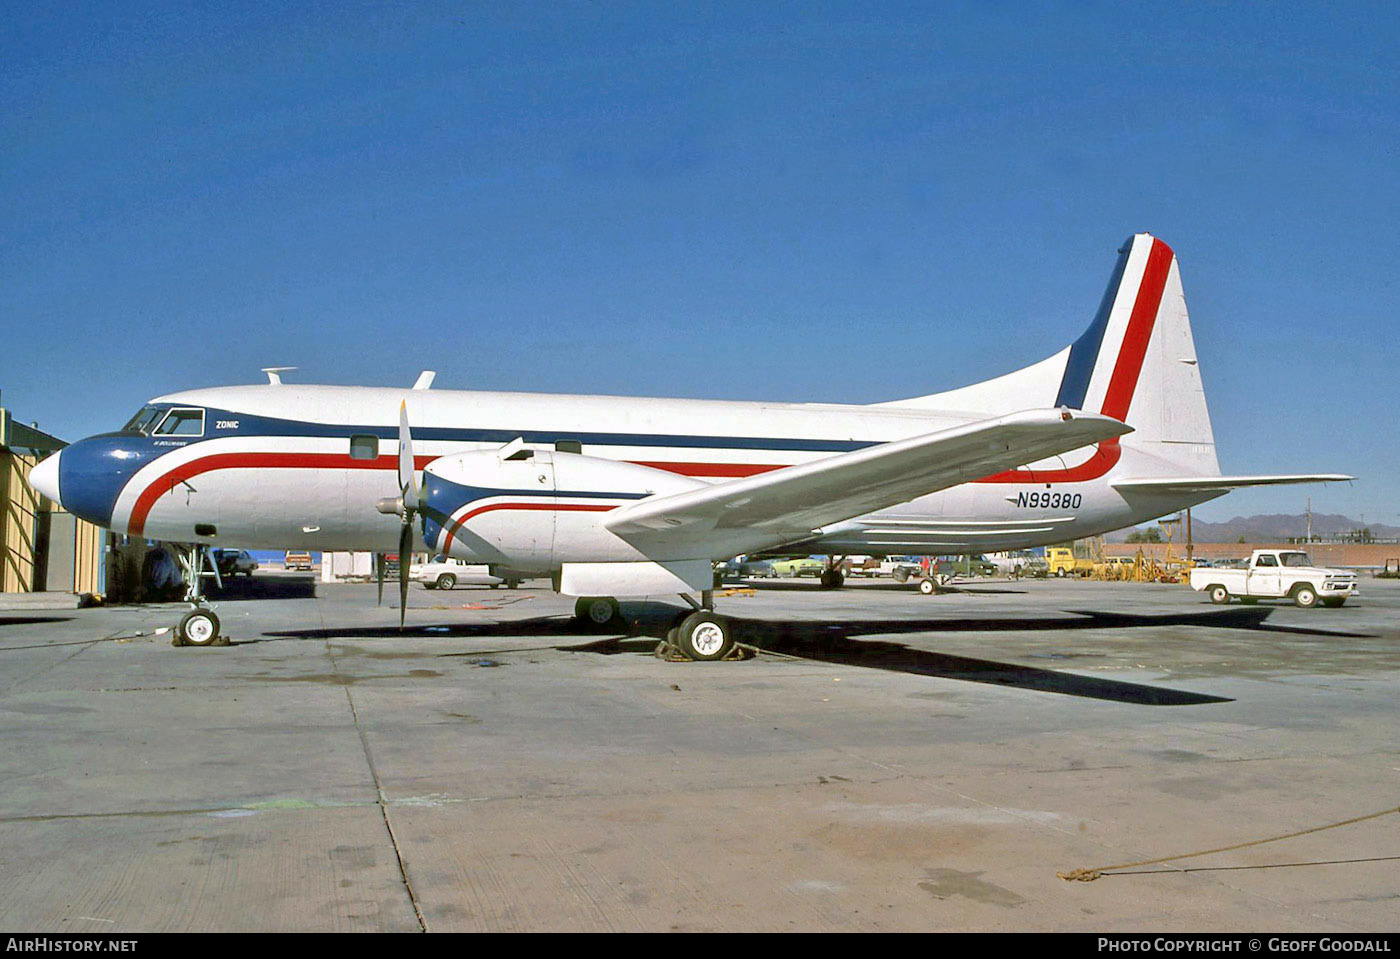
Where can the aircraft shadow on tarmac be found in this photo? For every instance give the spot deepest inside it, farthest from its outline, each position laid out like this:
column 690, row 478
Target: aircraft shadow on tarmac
column 842, row 642
column 265, row 587
column 31, row 620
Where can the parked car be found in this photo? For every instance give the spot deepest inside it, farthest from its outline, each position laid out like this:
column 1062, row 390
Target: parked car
column 297, row 559
column 231, row 562
column 444, row 572
column 806, row 566
column 964, row 566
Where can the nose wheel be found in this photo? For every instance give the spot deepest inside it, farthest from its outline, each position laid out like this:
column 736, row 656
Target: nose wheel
column 199, row 627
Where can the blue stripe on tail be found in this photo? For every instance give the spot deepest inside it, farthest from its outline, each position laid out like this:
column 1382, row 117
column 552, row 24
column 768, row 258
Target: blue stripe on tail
column 1084, row 354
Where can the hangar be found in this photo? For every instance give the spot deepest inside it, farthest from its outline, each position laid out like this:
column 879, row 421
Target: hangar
column 45, row 548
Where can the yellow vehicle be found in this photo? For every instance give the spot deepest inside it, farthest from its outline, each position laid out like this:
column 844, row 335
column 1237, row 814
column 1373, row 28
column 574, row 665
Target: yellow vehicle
column 1063, row 562
column 1115, row 568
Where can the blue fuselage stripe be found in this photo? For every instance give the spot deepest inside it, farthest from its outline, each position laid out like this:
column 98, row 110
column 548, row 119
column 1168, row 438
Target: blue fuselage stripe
column 252, row 425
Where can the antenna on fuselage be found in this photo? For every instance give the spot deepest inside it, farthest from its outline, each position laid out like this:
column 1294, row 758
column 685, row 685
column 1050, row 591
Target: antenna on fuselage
column 274, row 374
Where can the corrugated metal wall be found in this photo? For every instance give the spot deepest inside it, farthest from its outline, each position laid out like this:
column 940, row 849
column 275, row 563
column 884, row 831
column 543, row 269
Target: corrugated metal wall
column 19, row 525
column 18, row 508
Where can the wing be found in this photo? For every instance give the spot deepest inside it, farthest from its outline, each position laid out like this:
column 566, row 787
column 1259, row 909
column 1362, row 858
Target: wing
column 1205, row 484
column 787, row 504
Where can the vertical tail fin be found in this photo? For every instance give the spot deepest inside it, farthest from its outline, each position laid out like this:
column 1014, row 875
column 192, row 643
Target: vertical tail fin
column 1136, row 362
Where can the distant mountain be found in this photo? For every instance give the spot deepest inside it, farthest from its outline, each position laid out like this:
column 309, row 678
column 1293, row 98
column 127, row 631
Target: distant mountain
column 1274, row 526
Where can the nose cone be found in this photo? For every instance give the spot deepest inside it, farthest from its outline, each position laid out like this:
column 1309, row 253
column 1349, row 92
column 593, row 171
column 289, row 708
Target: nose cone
column 44, row 477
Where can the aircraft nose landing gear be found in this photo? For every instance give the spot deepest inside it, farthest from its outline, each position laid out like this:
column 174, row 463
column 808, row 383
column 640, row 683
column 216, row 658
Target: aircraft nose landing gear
column 198, row 627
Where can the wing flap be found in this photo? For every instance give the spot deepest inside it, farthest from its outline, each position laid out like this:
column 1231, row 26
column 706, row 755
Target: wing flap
column 791, row 502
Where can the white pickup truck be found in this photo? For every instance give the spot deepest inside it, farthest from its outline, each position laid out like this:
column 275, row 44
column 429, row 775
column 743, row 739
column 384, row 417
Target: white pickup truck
column 1277, row 574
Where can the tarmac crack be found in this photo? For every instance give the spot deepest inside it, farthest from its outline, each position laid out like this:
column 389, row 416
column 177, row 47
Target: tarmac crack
column 380, row 799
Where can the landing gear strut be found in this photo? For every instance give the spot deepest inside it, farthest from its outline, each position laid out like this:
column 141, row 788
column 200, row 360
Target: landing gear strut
column 198, row 627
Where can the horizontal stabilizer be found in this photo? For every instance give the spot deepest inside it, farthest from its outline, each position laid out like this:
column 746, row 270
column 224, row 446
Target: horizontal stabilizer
column 775, row 507
column 1187, row 484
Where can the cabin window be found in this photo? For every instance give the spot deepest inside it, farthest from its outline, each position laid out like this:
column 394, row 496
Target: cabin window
column 568, row 446
column 364, row 447
column 182, row 422
column 1267, row 560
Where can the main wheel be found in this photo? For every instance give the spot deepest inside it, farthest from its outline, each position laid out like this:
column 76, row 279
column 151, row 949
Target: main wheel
column 1304, row 596
column 597, row 611
column 832, row 579
column 704, row 636
column 900, row 574
column 1219, row 595
column 198, row 627
column 927, row 586
column 446, row 581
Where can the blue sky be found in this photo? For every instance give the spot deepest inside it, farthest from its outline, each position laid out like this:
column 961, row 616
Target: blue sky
column 848, row 202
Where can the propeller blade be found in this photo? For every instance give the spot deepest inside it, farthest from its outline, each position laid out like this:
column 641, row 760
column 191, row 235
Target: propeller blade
column 379, row 577
column 408, row 477
column 405, row 558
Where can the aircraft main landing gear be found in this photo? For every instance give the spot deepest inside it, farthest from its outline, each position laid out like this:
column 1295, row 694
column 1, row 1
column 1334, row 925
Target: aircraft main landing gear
column 701, row 635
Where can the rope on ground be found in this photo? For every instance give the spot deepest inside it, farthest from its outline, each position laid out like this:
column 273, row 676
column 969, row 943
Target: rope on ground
column 1089, row 875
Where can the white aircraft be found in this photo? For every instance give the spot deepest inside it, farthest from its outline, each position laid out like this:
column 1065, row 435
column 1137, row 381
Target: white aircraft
column 622, row 496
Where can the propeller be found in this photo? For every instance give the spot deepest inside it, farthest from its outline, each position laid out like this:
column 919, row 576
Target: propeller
column 408, row 502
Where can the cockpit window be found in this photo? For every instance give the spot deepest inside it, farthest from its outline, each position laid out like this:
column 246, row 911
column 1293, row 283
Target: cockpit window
column 143, row 420
column 182, row 422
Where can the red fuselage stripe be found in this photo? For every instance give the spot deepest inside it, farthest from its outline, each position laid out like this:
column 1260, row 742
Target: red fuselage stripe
column 713, row 469
column 572, row 507
column 227, row 461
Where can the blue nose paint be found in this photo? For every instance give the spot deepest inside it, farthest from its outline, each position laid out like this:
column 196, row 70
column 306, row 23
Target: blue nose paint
column 93, row 472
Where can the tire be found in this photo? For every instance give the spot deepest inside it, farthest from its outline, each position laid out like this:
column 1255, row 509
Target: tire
column 704, row 636
column 1304, row 596
column 900, row 574
column 446, row 581
column 832, row 579
column 1219, row 594
column 927, row 586
column 1060, row 573
column 198, row 627
column 597, row 612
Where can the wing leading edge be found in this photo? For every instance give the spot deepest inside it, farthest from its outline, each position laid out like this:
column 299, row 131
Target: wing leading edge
column 777, row 507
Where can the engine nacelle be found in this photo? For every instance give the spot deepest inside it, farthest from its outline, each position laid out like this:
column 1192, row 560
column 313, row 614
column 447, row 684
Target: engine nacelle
column 533, row 510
